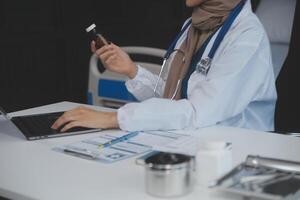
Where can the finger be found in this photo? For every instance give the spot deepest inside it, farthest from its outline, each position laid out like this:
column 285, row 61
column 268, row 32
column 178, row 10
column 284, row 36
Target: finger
column 93, row 46
column 104, row 49
column 59, row 122
column 77, row 111
column 111, row 59
column 70, row 115
column 117, row 49
column 105, row 56
column 65, row 118
column 114, row 45
column 70, row 125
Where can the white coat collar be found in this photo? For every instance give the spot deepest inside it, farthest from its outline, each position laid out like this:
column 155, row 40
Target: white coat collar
column 247, row 9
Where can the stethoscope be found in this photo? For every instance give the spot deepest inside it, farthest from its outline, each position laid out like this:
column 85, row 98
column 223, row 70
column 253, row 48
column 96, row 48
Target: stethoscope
column 200, row 65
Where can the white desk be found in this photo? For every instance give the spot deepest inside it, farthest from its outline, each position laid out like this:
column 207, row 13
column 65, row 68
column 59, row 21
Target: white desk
column 31, row 170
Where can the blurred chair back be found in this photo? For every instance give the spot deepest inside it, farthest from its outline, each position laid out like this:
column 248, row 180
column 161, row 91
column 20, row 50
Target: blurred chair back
column 277, row 17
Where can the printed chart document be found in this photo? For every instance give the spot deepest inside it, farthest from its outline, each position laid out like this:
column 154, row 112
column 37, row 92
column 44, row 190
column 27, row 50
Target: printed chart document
column 143, row 142
column 184, row 145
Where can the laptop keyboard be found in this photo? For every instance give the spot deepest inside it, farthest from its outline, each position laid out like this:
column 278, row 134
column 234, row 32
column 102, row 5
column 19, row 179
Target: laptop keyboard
column 39, row 125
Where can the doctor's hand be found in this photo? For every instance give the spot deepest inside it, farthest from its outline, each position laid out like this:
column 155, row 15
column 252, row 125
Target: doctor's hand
column 86, row 117
column 115, row 59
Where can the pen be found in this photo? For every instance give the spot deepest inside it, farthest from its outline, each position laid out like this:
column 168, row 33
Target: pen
column 117, row 140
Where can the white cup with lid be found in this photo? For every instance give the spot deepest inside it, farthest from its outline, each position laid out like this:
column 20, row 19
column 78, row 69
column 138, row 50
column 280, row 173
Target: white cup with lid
column 213, row 159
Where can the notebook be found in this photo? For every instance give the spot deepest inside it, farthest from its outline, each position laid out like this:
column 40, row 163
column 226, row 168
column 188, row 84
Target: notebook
column 38, row 126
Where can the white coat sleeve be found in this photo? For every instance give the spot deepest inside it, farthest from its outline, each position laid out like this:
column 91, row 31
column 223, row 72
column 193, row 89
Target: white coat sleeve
column 143, row 84
column 235, row 79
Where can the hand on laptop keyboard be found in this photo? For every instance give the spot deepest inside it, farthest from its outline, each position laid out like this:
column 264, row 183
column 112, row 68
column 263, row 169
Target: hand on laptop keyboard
column 86, row 117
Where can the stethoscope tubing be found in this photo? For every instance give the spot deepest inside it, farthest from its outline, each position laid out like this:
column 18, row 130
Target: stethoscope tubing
column 204, row 65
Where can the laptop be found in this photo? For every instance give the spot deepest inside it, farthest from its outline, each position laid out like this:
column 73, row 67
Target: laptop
column 38, row 126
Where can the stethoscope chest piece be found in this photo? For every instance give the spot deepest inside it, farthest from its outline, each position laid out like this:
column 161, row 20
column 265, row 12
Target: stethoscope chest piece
column 203, row 66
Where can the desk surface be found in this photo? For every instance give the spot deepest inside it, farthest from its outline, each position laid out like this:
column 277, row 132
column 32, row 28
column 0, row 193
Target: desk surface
column 31, row 170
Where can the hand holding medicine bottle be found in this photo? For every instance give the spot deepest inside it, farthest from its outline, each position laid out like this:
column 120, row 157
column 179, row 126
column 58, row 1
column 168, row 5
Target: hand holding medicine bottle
column 112, row 56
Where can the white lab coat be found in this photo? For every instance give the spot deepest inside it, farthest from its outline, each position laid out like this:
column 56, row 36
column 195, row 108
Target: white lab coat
column 239, row 89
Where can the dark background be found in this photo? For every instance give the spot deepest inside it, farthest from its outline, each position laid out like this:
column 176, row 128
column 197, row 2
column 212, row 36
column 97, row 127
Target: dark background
column 44, row 50
column 287, row 115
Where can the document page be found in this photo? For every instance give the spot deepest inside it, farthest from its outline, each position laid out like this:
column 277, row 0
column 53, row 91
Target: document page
column 141, row 143
column 183, row 144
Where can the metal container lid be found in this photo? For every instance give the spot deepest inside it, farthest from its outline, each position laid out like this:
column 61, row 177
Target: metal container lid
column 167, row 161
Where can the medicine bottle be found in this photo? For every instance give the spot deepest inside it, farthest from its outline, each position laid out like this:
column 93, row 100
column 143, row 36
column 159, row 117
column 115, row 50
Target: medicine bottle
column 97, row 37
column 213, row 159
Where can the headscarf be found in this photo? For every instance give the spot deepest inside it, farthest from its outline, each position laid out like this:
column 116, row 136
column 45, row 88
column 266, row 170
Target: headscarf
column 207, row 17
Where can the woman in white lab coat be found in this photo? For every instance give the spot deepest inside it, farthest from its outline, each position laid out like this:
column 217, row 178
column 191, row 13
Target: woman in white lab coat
column 237, row 90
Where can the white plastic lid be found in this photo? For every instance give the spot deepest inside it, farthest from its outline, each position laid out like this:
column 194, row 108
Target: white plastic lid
column 91, row 27
column 213, row 145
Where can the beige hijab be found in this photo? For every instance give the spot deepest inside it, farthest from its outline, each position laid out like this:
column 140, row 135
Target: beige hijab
column 206, row 18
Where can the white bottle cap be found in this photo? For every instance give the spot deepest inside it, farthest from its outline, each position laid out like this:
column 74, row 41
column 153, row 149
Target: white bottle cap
column 91, row 27
column 214, row 145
